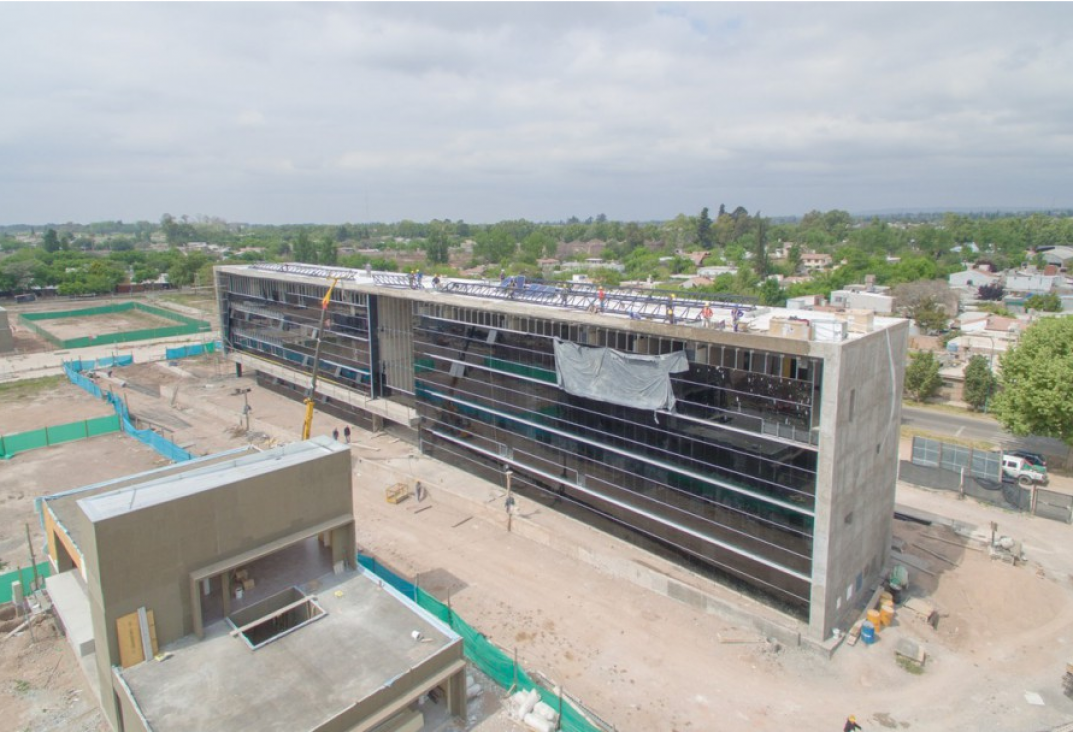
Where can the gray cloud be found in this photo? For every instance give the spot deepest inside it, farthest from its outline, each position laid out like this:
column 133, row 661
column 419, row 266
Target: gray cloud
column 348, row 112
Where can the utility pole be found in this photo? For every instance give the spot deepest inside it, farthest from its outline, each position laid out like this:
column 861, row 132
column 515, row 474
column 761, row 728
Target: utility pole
column 246, row 406
column 510, row 499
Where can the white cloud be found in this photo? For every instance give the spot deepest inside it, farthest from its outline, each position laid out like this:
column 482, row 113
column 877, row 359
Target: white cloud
column 292, row 112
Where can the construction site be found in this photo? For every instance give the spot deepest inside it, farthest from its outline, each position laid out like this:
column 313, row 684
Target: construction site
column 615, row 625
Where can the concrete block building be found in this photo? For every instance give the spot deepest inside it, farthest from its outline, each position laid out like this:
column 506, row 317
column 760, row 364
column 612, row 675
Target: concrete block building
column 7, row 343
column 224, row 594
column 755, row 445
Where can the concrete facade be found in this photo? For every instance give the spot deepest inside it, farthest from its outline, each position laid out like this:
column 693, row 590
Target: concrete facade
column 178, row 542
column 7, row 343
column 777, row 467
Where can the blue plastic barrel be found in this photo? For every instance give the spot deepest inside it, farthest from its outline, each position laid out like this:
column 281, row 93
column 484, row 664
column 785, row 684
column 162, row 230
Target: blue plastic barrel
column 868, row 632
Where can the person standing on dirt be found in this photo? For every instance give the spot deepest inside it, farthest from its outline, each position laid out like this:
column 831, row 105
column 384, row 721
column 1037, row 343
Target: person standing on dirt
column 335, row 434
column 346, row 433
column 851, row 725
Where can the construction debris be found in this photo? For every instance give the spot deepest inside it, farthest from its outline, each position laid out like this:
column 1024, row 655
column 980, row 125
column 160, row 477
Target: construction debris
column 1007, row 550
column 924, row 610
column 527, row 708
column 910, row 650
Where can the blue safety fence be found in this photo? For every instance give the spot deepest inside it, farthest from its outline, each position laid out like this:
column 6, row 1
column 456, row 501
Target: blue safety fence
column 89, row 364
column 161, row 444
column 493, row 661
column 194, row 349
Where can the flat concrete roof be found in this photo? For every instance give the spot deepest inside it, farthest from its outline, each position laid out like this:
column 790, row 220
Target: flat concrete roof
column 201, row 478
column 300, row 680
column 64, row 505
column 756, row 320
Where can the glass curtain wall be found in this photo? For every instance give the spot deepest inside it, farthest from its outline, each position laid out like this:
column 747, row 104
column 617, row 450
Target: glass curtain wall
column 277, row 320
column 727, row 480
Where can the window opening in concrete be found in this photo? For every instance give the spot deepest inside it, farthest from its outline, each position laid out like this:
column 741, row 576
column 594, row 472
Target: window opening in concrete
column 264, row 578
column 277, row 616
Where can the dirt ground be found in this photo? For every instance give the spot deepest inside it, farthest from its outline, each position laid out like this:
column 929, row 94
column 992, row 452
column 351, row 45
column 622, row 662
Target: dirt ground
column 95, row 325
column 566, row 597
column 42, row 688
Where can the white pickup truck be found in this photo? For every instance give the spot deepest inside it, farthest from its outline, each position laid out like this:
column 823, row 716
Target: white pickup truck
column 1020, row 470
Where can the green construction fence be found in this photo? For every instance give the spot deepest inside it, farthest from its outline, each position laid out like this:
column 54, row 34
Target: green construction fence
column 186, row 325
column 494, row 662
column 25, row 576
column 11, row 445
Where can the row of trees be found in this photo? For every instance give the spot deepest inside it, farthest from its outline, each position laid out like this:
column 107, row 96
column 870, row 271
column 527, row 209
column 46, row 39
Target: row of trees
column 82, row 273
column 897, row 253
column 1033, row 394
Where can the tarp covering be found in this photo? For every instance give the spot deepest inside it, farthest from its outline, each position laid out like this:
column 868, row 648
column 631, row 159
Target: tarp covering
column 612, row 376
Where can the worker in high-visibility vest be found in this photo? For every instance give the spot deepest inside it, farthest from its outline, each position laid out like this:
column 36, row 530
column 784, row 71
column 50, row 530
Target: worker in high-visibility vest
column 706, row 314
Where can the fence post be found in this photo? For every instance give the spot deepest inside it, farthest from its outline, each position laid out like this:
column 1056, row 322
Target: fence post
column 559, row 721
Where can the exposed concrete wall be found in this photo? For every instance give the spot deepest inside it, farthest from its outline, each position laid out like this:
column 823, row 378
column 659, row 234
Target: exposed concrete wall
column 7, row 343
column 144, row 557
column 448, row 669
column 857, row 472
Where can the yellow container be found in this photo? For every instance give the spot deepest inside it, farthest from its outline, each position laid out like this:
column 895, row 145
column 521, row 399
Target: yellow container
column 875, row 618
column 886, row 598
column 886, row 614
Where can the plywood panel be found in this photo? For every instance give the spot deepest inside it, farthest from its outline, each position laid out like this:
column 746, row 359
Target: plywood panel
column 130, row 640
column 131, row 650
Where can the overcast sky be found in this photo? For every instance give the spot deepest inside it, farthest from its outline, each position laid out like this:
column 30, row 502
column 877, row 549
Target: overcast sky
column 328, row 113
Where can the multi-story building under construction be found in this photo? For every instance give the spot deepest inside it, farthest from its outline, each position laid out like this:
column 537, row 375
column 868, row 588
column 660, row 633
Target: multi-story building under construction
column 757, row 444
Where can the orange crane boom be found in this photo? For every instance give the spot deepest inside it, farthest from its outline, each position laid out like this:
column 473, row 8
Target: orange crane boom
column 307, row 424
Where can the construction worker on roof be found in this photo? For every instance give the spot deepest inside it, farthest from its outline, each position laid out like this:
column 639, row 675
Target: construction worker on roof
column 851, row 725
column 706, row 314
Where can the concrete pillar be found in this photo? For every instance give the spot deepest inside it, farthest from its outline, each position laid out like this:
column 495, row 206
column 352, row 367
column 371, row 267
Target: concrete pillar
column 456, row 694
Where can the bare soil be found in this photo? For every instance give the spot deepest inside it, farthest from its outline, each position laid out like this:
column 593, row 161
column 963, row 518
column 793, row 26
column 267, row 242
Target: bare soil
column 96, row 325
column 566, row 597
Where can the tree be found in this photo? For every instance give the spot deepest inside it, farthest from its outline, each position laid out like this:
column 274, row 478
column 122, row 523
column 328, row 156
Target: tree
column 760, row 260
column 922, row 379
column 979, row 383
column 793, row 259
column 771, row 294
column 1049, row 303
column 304, row 251
column 991, row 292
column 437, row 247
column 929, row 316
column 929, row 303
column 635, row 236
column 1036, row 382
column 704, row 229
column 326, row 251
column 51, row 241
column 17, row 274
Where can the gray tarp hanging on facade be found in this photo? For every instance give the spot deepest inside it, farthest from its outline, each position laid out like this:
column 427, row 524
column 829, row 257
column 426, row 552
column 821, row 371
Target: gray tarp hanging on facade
column 611, row 376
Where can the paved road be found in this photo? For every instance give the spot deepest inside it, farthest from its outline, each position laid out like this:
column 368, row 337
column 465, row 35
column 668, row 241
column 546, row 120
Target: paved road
column 978, row 428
